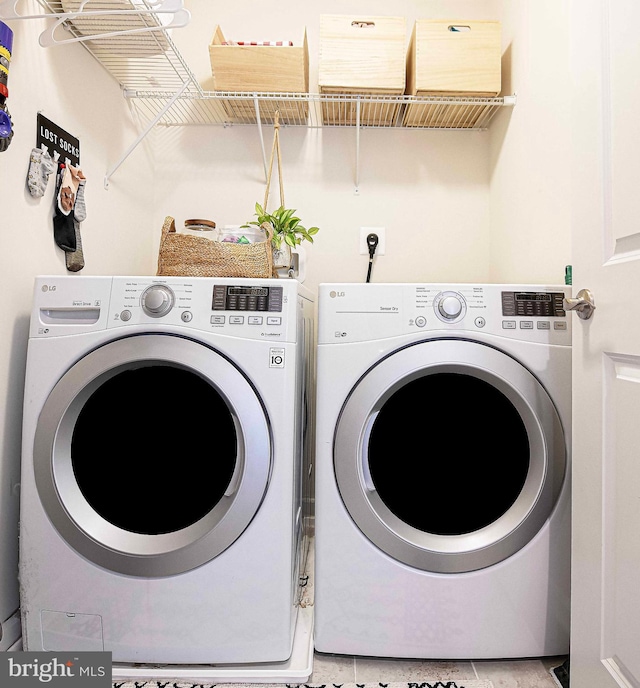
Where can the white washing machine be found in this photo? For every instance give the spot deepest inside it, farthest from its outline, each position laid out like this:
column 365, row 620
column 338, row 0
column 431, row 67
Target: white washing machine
column 442, row 458
column 162, row 481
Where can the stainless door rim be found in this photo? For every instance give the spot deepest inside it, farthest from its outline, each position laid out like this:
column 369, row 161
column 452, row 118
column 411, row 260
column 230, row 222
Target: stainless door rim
column 134, row 553
column 496, row 541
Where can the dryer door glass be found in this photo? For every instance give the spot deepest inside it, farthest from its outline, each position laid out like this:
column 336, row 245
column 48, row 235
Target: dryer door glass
column 449, row 455
column 469, row 471
column 152, row 455
column 158, row 467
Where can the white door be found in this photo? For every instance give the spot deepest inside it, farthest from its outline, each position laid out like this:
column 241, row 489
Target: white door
column 606, row 371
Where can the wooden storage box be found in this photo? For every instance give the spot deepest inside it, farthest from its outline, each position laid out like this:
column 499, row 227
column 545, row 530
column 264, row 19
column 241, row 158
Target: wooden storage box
column 261, row 69
column 361, row 55
column 453, row 58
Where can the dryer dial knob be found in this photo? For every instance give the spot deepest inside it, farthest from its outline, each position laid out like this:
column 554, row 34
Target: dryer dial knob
column 157, row 300
column 450, row 307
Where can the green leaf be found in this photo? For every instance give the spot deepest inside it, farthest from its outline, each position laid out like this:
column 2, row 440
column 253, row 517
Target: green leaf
column 285, row 225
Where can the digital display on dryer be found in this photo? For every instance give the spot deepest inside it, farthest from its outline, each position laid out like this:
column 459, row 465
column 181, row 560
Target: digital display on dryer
column 527, row 296
column 533, row 304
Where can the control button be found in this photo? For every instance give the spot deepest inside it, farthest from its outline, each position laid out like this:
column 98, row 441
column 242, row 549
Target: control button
column 508, row 324
column 449, row 306
column 125, row 316
column 236, row 319
column 186, row 316
column 274, row 320
column 217, row 319
column 526, row 324
column 562, row 325
column 543, row 325
column 255, row 320
column 480, row 322
column 421, row 321
column 157, row 300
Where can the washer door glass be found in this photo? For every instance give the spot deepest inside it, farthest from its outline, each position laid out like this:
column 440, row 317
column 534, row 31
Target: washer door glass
column 449, row 455
column 152, row 455
column 154, row 473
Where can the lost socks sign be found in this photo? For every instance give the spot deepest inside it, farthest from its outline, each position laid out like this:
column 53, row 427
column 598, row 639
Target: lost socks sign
column 57, row 139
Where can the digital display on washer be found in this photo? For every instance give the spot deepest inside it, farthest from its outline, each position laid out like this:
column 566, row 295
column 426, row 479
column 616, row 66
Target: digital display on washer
column 533, row 304
column 527, row 296
column 244, row 298
column 248, row 291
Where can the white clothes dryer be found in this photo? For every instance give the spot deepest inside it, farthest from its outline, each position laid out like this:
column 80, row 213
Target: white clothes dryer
column 162, row 476
column 443, row 476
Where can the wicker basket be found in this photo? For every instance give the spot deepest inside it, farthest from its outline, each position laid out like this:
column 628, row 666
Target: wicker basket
column 189, row 256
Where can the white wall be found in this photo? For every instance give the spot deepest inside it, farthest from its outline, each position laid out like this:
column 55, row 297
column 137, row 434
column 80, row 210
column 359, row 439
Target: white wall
column 529, row 186
column 73, row 91
column 430, row 190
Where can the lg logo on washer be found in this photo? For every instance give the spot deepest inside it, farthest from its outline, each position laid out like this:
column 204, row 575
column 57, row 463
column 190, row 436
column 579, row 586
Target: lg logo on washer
column 47, row 287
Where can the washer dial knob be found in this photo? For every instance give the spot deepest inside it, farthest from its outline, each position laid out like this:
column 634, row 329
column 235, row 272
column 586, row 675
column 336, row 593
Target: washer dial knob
column 450, row 306
column 157, row 300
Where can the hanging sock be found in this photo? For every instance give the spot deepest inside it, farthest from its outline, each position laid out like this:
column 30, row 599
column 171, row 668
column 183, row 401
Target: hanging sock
column 41, row 166
column 67, row 189
column 63, row 229
column 75, row 259
column 79, row 208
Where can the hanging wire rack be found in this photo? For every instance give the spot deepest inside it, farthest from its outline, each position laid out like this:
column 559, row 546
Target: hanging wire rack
column 139, row 61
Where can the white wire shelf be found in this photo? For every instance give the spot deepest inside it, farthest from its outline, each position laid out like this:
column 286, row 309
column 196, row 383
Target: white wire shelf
column 141, row 61
column 129, row 38
column 318, row 110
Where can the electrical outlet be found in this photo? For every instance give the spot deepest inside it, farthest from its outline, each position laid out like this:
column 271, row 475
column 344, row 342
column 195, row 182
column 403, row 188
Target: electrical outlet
column 364, row 233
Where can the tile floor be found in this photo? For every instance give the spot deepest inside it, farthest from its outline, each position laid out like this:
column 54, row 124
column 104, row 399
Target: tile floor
column 529, row 673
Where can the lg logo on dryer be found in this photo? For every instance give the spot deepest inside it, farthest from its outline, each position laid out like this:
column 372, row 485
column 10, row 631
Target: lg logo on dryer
column 334, row 294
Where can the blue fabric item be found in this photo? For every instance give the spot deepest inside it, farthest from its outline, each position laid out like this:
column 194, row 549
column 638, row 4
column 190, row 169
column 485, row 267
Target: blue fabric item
column 6, row 37
column 5, row 125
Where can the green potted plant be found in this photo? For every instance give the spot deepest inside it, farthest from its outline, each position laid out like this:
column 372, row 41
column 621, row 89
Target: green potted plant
column 288, row 232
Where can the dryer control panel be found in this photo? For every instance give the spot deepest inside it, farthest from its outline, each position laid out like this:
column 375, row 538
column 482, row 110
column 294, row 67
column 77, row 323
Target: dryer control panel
column 533, row 304
column 368, row 312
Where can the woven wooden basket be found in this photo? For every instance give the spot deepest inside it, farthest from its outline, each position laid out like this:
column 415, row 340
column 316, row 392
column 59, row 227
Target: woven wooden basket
column 189, row 256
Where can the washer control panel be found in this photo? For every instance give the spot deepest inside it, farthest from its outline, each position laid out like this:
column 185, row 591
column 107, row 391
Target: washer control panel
column 229, row 297
column 260, row 309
